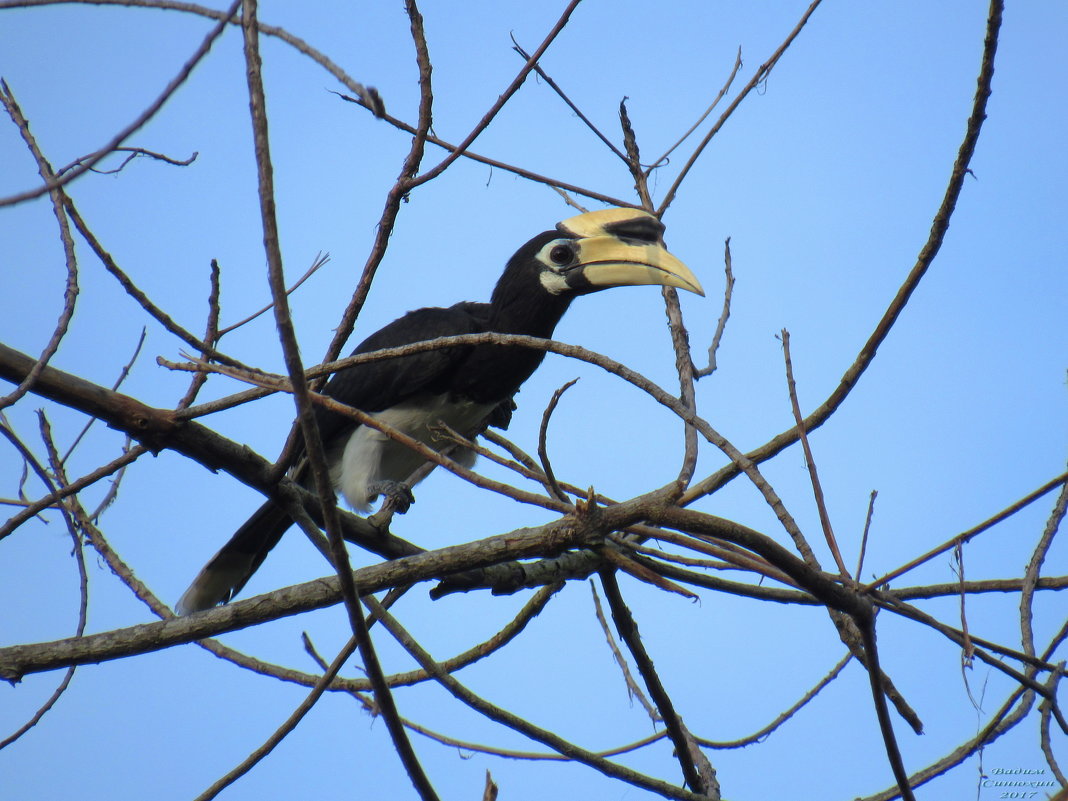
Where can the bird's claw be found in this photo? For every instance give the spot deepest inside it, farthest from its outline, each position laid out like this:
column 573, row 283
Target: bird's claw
column 399, row 497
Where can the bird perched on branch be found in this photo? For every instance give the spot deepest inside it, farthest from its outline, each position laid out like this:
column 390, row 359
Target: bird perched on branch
column 465, row 387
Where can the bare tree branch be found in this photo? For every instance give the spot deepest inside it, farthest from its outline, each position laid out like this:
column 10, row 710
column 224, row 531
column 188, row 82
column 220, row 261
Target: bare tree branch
column 810, row 462
column 696, row 769
column 70, row 293
column 659, row 536
column 721, row 324
column 760, row 75
column 926, row 257
column 88, row 162
column 305, row 413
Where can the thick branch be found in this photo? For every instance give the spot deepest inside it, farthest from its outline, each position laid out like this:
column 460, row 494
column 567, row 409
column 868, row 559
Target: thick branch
column 549, row 539
column 161, row 428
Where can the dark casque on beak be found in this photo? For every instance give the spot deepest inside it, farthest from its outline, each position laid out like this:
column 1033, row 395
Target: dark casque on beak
column 623, row 247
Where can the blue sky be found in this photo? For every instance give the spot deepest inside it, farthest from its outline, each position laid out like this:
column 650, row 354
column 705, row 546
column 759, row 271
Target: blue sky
column 826, row 180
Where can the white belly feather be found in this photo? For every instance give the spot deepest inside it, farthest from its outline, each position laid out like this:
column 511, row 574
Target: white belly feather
column 370, row 456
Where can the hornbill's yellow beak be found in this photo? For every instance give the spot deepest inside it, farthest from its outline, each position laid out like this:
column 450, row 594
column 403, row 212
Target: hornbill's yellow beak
column 620, row 247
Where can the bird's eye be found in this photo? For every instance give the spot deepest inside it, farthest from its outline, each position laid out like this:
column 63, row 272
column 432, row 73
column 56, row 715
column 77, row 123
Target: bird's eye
column 561, row 255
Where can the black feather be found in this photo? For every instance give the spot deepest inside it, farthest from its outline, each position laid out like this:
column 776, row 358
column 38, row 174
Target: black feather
column 479, row 375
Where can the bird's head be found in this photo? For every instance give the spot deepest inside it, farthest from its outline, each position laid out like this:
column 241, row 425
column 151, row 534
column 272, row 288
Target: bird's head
column 598, row 250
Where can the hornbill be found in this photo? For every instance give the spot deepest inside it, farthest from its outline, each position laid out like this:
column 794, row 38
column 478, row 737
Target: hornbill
column 464, row 387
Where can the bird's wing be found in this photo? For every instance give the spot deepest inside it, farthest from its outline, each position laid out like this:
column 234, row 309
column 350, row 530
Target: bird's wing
column 370, row 387
column 379, row 385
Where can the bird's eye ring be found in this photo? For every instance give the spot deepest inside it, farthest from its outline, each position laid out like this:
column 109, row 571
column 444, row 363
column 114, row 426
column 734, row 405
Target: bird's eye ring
column 561, row 255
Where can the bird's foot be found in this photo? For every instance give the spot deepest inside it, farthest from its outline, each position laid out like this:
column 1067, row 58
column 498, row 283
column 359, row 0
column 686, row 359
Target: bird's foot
column 399, row 497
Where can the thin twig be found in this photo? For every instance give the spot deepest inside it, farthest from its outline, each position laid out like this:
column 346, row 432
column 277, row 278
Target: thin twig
column 211, row 331
column 659, row 554
column 633, row 158
column 762, row 734
column 543, row 451
column 738, row 559
column 696, row 777
column 123, row 373
column 760, row 75
column 91, row 161
column 70, row 291
column 553, row 183
column 83, row 577
column 401, row 188
column 643, row 570
column 563, row 96
column 498, row 104
column 886, row 726
column 1034, row 566
column 926, row 257
column 312, row 442
column 53, row 498
column 112, row 493
column 319, row 261
column 277, row 383
column 471, row 444
column 134, row 153
column 1000, row 722
column 724, row 315
column 1045, row 709
column 864, row 535
column 967, row 647
column 140, row 296
column 521, row 456
column 956, row 636
column 633, row 690
column 684, row 368
column 366, row 96
column 495, row 713
column 810, row 461
column 282, row 731
column 965, row 536
column 715, row 102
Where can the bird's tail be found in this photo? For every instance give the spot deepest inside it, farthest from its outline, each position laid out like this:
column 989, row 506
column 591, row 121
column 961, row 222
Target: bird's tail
column 228, row 571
